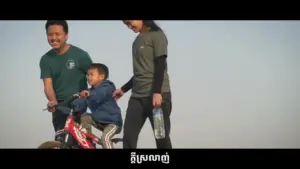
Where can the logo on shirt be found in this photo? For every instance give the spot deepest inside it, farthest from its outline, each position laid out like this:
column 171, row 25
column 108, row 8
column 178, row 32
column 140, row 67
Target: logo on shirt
column 70, row 64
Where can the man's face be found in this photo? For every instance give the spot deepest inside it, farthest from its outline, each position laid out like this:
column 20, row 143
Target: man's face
column 56, row 36
column 94, row 77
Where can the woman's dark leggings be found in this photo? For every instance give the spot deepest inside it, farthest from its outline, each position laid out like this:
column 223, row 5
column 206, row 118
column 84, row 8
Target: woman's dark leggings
column 139, row 109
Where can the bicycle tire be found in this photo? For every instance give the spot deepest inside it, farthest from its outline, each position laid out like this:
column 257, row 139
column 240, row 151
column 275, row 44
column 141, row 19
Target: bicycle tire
column 51, row 145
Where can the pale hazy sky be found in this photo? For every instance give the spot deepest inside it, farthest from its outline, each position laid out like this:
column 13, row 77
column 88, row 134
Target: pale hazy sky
column 235, row 83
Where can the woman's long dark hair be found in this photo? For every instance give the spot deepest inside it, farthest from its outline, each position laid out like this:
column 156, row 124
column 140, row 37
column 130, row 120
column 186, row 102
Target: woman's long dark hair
column 152, row 25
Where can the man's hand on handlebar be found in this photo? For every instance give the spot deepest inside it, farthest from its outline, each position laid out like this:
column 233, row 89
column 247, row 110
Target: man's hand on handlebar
column 51, row 106
column 84, row 94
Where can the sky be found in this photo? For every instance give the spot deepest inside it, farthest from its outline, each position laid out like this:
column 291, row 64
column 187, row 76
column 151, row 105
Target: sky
column 235, row 84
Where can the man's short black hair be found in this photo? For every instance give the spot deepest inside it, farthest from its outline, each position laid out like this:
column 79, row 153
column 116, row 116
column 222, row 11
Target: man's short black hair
column 101, row 68
column 63, row 23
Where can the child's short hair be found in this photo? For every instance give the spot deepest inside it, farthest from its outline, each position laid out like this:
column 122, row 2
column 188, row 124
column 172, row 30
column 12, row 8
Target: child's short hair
column 101, row 68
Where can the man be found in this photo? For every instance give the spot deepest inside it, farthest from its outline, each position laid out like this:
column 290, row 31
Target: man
column 63, row 70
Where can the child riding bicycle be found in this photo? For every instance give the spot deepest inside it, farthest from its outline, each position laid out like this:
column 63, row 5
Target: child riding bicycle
column 105, row 113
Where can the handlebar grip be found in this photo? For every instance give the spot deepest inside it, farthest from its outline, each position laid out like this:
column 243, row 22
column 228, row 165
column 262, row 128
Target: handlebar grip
column 68, row 101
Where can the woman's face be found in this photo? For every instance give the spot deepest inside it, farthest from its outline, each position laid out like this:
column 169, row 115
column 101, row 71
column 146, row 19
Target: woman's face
column 135, row 25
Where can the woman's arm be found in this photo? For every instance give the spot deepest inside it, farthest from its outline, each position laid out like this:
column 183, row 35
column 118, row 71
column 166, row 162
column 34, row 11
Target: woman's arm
column 160, row 49
column 126, row 87
column 159, row 70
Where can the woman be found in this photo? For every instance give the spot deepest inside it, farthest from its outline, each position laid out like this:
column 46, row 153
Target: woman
column 150, row 82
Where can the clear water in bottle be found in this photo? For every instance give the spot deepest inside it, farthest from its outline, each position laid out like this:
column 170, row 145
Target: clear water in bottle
column 158, row 120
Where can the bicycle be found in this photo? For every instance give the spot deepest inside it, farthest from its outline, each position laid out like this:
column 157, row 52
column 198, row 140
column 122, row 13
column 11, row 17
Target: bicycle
column 72, row 132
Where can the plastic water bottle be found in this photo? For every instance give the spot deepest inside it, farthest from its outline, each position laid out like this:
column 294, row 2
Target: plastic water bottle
column 158, row 120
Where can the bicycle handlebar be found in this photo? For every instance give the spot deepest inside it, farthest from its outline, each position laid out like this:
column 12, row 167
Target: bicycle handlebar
column 67, row 103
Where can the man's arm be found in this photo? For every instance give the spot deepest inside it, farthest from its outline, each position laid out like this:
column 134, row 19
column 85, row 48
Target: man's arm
column 48, row 89
column 47, row 80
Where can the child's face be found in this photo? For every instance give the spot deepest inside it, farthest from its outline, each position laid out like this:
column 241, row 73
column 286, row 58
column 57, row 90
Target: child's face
column 94, row 77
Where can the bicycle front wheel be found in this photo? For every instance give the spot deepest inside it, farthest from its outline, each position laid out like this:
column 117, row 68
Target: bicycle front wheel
column 51, row 145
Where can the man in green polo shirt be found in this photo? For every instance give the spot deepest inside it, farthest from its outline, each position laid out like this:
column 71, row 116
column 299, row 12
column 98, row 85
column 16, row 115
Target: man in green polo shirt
column 63, row 70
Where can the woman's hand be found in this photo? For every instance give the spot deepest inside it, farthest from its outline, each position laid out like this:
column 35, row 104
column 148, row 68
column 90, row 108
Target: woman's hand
column 118, row 94
column 157, row 100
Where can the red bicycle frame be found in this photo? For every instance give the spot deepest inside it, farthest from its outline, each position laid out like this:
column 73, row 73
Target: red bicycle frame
column 81, row 137
column 85, row 139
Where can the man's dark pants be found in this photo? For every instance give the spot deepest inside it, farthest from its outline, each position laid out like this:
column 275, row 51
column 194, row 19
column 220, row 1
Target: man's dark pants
column 59, row 120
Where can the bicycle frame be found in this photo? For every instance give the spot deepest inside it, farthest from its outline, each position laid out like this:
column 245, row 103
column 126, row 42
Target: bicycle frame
column 71, row 127
column 86, row 140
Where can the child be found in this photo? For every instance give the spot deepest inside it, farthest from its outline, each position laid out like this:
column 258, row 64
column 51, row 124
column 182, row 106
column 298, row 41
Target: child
column 106, row 114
